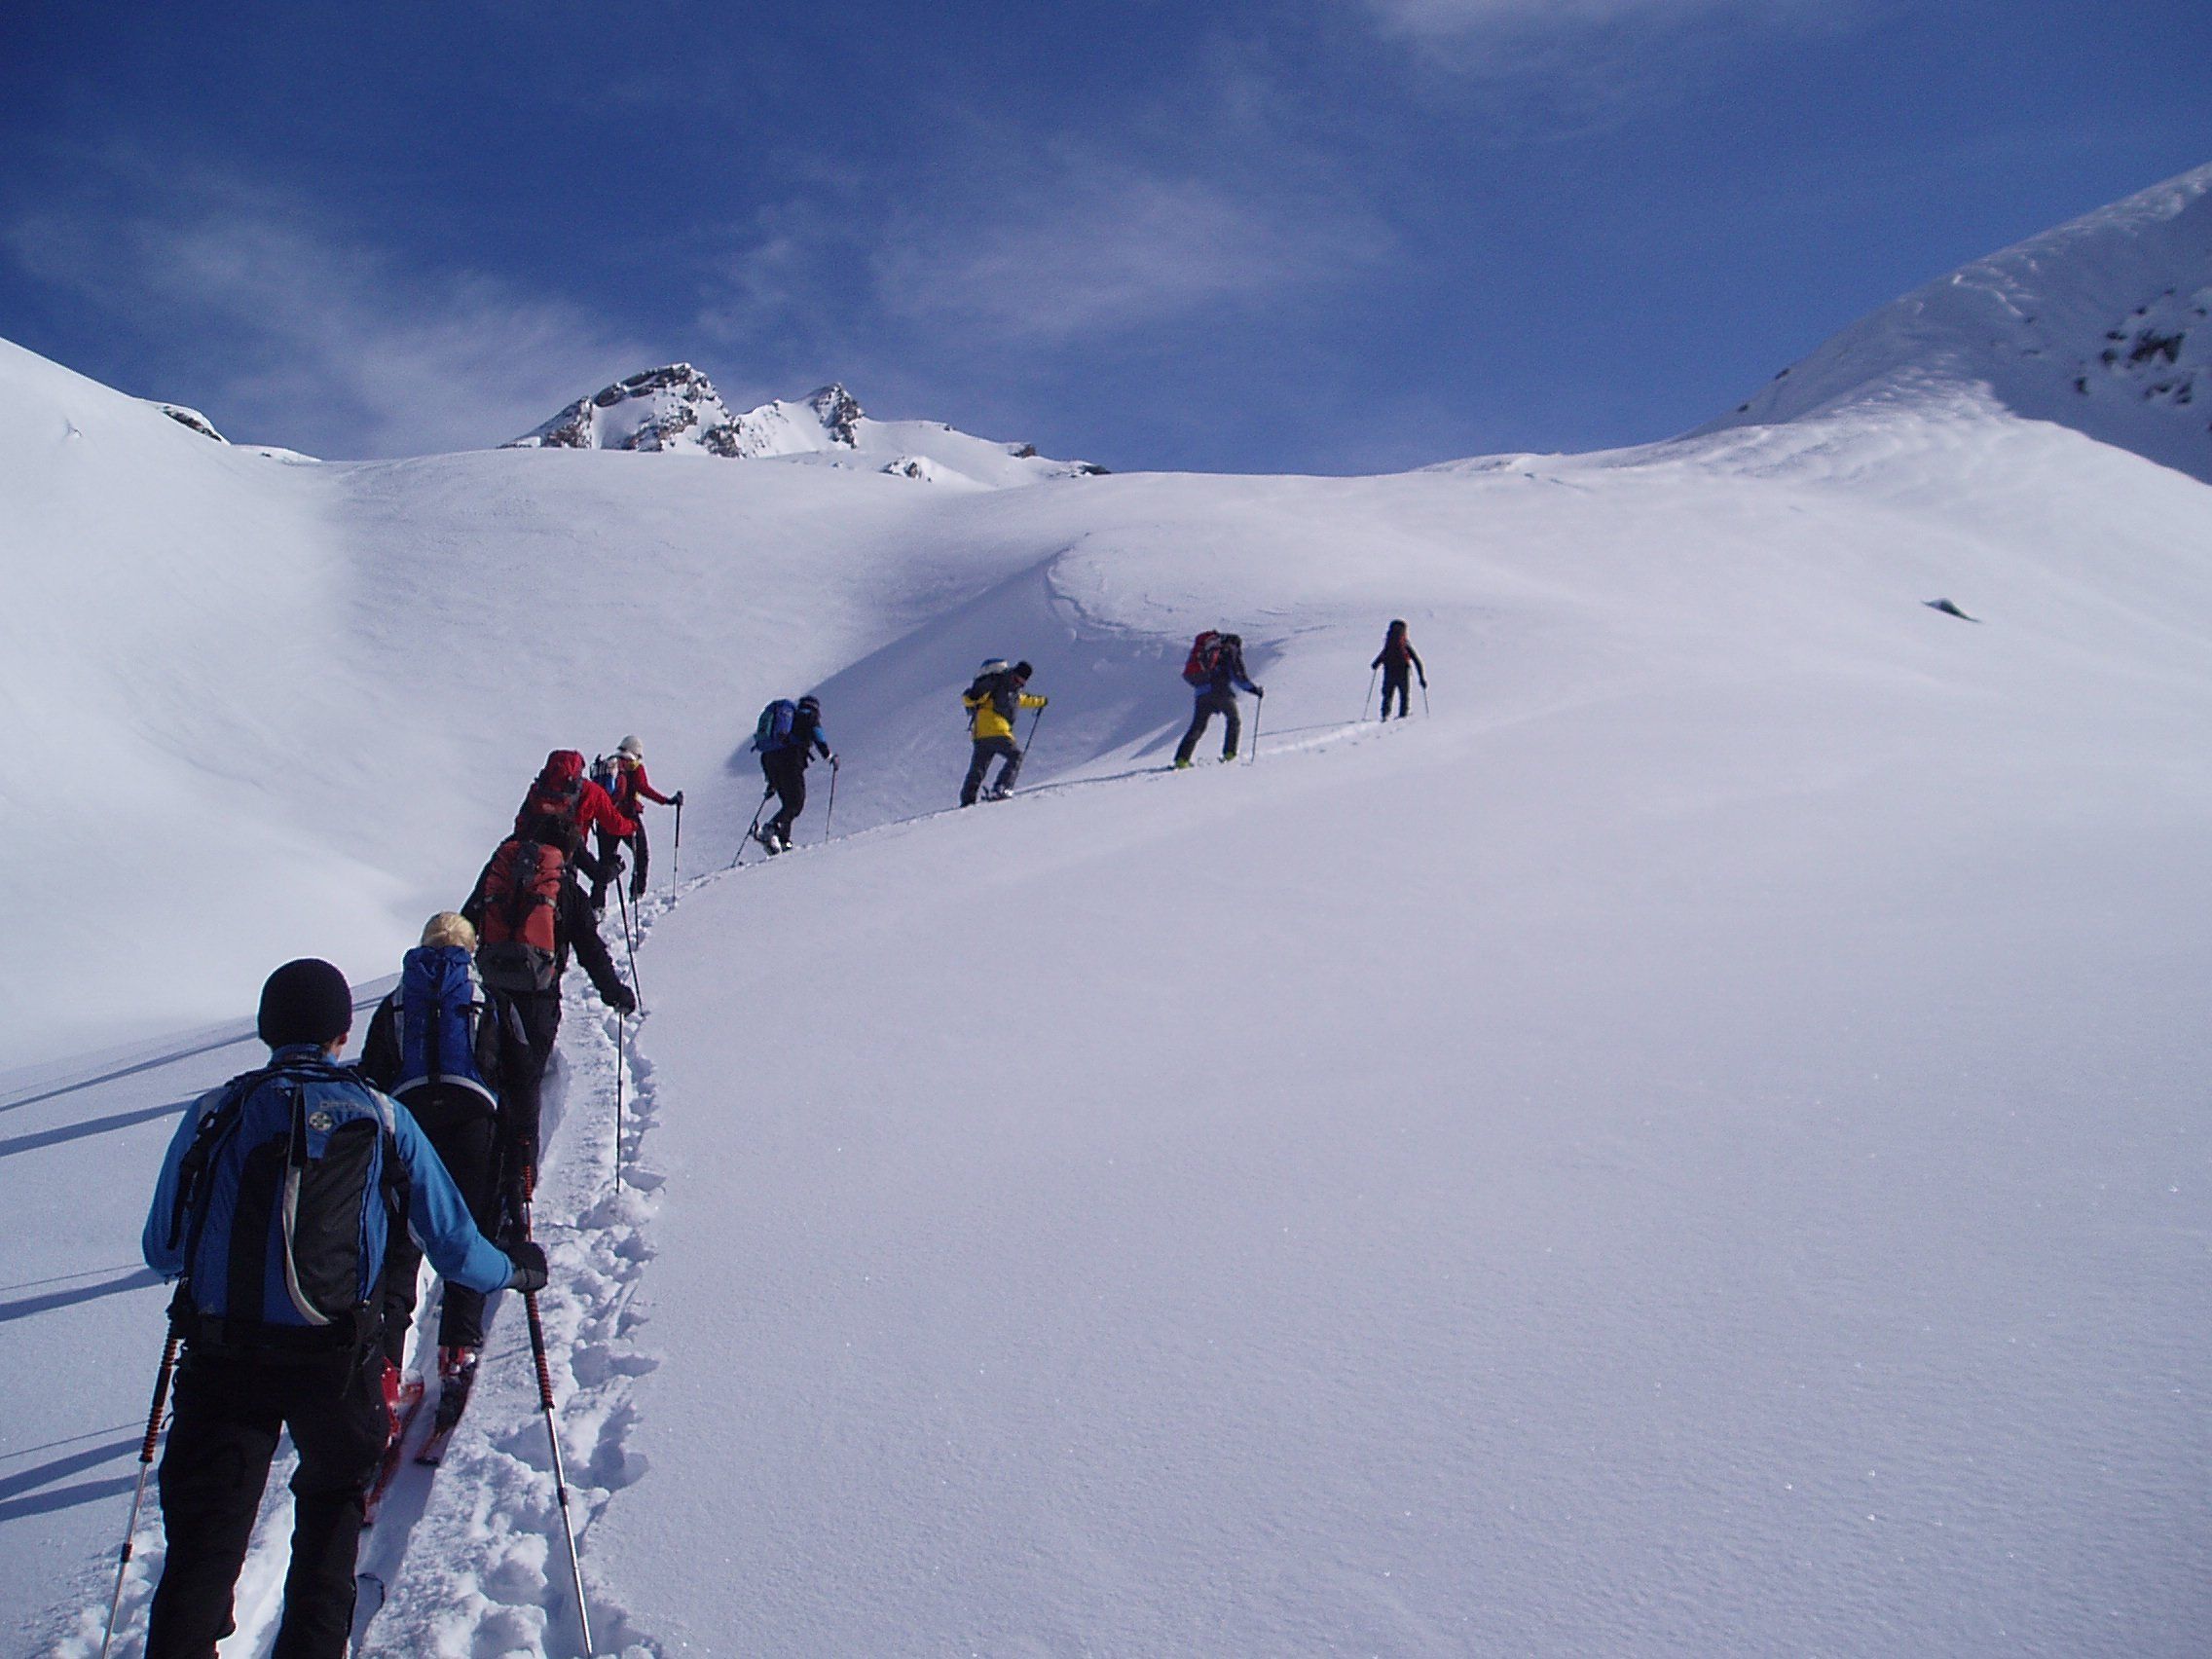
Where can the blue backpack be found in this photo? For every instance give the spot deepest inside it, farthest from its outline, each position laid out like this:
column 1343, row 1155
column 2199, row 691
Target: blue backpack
column 284, row 1201
column 438, row 1008
column 773, row 729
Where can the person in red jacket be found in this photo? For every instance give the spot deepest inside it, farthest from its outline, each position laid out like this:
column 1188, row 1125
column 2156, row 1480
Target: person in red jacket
column 631, row 787
column 1395, row 657
column 561, row 790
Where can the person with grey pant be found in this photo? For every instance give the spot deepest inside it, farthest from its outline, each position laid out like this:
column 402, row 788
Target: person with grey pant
column 1217, row 695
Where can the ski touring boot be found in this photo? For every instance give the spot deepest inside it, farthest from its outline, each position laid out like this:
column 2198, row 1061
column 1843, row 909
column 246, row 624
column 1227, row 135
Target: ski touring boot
column 456, row 1376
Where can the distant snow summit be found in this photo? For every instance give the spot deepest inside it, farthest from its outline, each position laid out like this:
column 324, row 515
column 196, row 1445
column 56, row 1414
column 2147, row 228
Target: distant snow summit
column 676, row 409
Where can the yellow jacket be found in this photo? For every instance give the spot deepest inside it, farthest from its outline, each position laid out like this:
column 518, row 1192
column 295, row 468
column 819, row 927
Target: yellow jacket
column 990, row 720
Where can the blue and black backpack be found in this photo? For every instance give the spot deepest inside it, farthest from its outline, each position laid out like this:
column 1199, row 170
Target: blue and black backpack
column 438, row 1010
column 773, row 729
column 285, row 1200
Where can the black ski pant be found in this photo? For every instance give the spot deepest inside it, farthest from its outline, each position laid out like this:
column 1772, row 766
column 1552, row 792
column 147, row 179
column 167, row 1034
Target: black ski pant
column 230, row 1406
column 1008, row 754
column 786, row 772
column 522, row 1090
column 1209, row 704
column 465, row 1136
column 1395, row 678
column 641, row 855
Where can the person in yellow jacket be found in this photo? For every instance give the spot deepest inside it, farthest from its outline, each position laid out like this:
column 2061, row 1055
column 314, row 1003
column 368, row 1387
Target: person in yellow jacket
column 993, row 703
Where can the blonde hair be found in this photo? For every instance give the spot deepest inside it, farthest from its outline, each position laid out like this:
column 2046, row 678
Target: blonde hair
column 449, row 927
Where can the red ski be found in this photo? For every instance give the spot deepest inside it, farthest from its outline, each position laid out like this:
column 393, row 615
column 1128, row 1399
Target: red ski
column 404, row 1410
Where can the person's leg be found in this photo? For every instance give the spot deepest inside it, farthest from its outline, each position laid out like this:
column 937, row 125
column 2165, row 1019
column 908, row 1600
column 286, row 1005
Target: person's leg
column 790, row 794
column 464, row 1139
column 1201, row 714
column 977, row 762
column 1010, row 762
column 607, row 846
column 212, row 1472
column 338, row 1421
column 640, row 856
column 1234, row 725
column 540, row 1012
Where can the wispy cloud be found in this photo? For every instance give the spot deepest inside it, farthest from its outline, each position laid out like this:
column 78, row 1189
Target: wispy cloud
column 1103, row 248
column 292, row 329
column 1438, row 19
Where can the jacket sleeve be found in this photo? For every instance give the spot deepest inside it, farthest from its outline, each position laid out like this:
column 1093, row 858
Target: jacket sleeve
column 1378, row 656
column 1030, row 700
column 438, row 1218
column 822, row 740
column 584, row 937
column 154, row 1244
column 600, row 809
column 379, row 1050
column 1417, row 668
column 1237, row 673
column 645, row 788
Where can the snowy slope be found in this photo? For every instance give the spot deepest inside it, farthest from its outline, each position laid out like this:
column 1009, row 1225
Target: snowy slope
column 675, row 410
column 2104, row 325
column 1692, row 1149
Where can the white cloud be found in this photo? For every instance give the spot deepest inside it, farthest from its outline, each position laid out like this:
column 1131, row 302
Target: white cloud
column 1106, row 249
column 299, row 333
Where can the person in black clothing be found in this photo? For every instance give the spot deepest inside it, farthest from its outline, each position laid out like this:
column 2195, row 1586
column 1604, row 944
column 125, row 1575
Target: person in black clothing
column 1396, row 656
column 254, row 1369
column 1218, row 696
column 455, row 1100
column 536, row 1009
column 785, row 767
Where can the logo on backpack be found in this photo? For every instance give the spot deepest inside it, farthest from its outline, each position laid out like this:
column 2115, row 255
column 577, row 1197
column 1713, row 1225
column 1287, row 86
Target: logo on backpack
column 1205, row 657
column 285, row 1200
column 438, row 1006
column 521, row 890
column 773, row 729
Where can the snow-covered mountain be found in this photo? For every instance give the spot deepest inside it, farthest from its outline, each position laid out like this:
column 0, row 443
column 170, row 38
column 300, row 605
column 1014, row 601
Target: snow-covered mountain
column 1693, row 1148
column 2103, row 324
column 675, row 410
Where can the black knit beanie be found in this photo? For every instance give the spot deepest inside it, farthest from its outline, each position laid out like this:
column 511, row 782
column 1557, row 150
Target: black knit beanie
column 1023, row 671
column 307, row 1001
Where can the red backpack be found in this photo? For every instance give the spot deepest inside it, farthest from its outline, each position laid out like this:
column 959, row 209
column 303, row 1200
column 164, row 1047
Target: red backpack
column 521, row 890
column 1205, row 658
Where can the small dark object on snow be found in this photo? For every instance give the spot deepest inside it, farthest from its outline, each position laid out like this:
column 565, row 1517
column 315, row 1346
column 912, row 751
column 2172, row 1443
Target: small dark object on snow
column 1948, row 610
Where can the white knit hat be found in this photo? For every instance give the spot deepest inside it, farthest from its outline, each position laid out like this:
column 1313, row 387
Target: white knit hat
column 630, row 747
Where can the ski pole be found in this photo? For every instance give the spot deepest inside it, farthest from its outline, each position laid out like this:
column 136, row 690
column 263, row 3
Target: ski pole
column 752, row 829
column 831, row 816
column 675, row 858
column 1424, row 709
column 618, row 1034
column 629, row 940
column 1259, row 705
column 145, row 1463
column 1370, row 697
column 1034, row 720
column 560, row 1475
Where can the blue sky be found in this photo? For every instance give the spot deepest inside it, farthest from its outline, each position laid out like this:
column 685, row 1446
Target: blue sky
column 1313, row 234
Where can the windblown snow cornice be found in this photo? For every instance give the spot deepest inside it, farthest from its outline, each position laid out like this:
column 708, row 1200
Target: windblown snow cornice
column 2103, row 324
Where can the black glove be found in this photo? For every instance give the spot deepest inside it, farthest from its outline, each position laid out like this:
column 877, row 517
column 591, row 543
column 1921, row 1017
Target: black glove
column 610, row 866
column 1259, row 692
column 622, row 1000
column 529, row 1266
column 679, row 801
